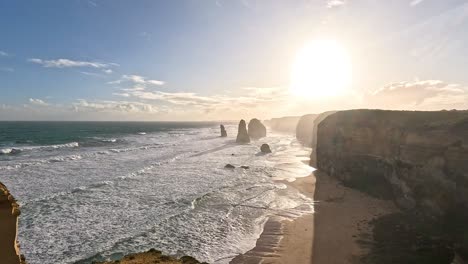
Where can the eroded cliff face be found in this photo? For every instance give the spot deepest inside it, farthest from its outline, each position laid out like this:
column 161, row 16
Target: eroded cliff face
column 418, row 159
column 9, row 213
column 304, row 128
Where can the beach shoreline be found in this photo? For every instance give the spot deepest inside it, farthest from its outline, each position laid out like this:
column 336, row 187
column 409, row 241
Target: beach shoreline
column 337, row 231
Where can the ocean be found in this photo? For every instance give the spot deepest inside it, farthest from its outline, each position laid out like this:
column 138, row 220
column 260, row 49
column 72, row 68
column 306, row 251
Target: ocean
column 99, row 190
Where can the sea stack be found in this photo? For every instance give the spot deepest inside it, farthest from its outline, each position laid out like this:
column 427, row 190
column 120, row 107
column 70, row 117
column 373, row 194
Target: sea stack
column 256, row 129
column 223, row 131
column 242, row 135
column 265, row 148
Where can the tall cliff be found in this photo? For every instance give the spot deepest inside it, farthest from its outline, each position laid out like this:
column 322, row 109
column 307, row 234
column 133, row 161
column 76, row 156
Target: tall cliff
column 418, row 159
column 304, row 128
column 313, row 133
column 9, row 213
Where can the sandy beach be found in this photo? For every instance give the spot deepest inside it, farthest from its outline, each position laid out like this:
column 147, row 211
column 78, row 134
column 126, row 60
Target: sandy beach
column 7, row 231
column 333, row 234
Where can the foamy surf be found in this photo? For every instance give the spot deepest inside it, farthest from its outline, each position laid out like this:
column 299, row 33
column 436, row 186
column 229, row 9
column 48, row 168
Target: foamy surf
column 165, row 190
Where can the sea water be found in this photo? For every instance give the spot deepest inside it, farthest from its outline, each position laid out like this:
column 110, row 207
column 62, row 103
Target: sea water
column 98, row 190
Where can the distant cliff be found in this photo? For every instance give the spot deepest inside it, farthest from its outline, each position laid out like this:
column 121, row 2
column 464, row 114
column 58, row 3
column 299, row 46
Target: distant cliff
column 283, row 124
column 304, row 128
column 313, row 134
column 418, row 159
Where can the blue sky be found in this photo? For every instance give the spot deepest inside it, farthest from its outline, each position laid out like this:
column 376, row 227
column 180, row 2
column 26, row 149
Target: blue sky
column 212, row 60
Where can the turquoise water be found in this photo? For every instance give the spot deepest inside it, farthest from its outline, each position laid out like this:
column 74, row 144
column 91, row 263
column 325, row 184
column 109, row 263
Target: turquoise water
column 15, row 134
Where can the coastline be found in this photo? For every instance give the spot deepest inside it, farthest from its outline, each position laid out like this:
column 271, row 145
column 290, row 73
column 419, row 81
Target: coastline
column 8, row 228
column 339, row 231
column 285, row 240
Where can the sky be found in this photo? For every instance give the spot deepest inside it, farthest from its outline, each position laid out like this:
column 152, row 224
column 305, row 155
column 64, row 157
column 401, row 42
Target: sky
column 224, row 59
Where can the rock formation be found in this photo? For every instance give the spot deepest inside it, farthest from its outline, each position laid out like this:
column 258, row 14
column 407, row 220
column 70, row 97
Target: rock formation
column 242, row 135
column 418, row 159
column 265, row 148
column 317, row 121
column 304, row 128
column 152, row 256
column 256, row 129
column 223, row 131
column 285, row 124
column 229, row 166
column 9, row 213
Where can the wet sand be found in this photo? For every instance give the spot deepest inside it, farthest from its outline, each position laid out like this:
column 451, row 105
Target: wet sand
column 332, row 235
column 285, row 240
column 8, row 227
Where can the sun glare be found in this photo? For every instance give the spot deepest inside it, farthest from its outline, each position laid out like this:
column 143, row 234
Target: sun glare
column 322, row 68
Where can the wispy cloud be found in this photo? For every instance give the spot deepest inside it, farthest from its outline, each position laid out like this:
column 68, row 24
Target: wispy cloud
column 335, row 3
column 3, row 54
column 114, row 106
column 7, row 69
column 67, row 63
column 39, row 102
column 416, row 2
column 137, row 79
column 420, row 95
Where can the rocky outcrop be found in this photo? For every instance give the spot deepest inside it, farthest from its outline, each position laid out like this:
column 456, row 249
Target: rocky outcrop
column 229, row 166
column 242, row 135
column 265, row 148
column 304, row 128
column 285, row 124
column 150, row 257
column 223, row 131
column 9, row 213
column 256, row 129
column 418, row 159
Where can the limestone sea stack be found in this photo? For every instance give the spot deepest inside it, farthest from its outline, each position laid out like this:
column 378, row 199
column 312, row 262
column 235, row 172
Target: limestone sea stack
column 242, row 135
column 265, row 148
column 223, row 131
column 256, row 129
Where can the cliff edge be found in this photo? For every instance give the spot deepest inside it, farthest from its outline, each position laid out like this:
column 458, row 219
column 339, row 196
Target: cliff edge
column 418, row 159
column 9, row 213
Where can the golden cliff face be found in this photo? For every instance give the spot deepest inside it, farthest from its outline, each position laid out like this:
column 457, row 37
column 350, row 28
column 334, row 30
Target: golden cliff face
column 418, row 159
column 9, row 214
column 412, row 152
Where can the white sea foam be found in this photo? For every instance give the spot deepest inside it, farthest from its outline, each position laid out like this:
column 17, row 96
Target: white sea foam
column 166, row 191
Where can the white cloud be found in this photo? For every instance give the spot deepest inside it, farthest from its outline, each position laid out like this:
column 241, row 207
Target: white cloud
column 108, row 71
column 39, row 102
column 416, row 2
column 3, row 54
column 66, row 63
column 420, row 95
column 335, row 3
column 114, row 106
column 138, row 80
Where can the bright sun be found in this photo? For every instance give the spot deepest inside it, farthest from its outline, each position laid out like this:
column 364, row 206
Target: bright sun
column 322, row 68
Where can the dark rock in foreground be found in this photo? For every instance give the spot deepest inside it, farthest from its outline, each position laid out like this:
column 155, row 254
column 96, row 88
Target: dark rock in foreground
column 229, row 166
column 245, row 167
column 418, row 159
column 256, row 129
column 265, row 148
column 242, row 135
column 223, row 131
